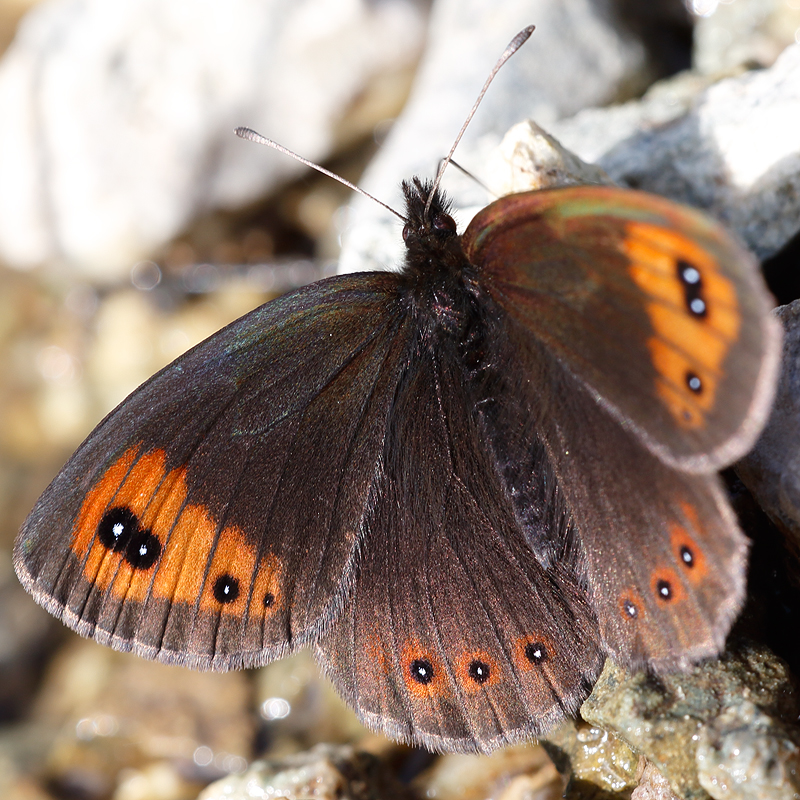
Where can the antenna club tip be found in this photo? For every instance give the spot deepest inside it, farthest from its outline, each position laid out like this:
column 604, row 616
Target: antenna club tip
column 522, row 37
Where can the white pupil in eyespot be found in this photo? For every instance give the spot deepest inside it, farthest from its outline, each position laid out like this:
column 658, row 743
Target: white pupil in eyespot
column 118, row 529
column 691, row 275
column 698, row 306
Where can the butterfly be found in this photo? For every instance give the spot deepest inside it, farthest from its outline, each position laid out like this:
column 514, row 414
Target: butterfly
column 464, row 484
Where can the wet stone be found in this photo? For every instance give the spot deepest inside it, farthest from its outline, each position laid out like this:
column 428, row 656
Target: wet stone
column 595, row 761
column 665, row 718
column 746, row 754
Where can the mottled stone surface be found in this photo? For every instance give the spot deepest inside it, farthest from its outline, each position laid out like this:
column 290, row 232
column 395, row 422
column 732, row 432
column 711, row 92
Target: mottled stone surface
column 652, row 785
column 522, row 772
column 530, row 158
column 746, row 754
column 663, row 718
column 114, row 719
column 594, row 760
column 300, row 708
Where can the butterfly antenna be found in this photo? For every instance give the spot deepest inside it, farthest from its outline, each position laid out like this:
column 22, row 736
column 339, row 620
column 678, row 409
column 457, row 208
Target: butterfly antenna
column 512, row 48
column 253, row 136
column 466, row 172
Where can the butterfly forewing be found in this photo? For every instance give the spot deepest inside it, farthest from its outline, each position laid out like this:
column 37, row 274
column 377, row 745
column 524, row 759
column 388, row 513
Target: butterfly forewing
column 649, row 304
column 212, row 518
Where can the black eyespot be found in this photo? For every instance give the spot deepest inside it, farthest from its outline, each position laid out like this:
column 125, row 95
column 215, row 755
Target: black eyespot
column 664, row 590
column 479, row 671
column 226, row 589
column 143, row 550
column 422, row 671
column 444, row 222
column 687, row 556
column 694, row 383
column 116, row 528
column 536, row 653
column 630, row 609
column 269, row 599
column 692, row 282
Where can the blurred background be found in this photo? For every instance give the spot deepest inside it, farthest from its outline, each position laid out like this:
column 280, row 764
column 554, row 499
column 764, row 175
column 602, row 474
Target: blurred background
column 133, row 224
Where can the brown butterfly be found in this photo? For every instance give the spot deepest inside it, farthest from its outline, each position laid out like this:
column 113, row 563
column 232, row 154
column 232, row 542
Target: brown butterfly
column 464, row 484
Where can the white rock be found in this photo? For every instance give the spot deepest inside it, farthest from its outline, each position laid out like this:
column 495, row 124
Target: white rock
column 530, row 158
column 117, row 117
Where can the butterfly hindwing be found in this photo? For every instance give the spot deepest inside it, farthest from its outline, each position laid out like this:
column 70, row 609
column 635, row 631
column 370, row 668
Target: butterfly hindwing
column 662, row 555
column 454, row 636
column 211, row 519
column 651, row 305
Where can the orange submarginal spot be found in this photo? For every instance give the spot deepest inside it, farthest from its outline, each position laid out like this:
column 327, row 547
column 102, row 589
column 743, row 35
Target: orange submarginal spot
column 179, row 576
column 533, row 651
column 154, row 496
column 137, row 487
column 267, row 596
column 654, row 255
column 227, row 584
column 692, row 336
column 676, row 246
column 477, row 670
column 423, row 673
column 630, row 605
column 653, row 271
column 685, row 414
column 666, row 586
column 97, row 501
column 687, row 552
column 675, row 371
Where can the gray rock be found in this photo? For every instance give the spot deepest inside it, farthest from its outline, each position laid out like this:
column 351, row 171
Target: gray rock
column 771, row 470
column 595, row 132
column 735, row 154
column 117, row 118
column 300, row 706
column 744, row 754
column 325, row 773
column 577, row 57
column 663, row 718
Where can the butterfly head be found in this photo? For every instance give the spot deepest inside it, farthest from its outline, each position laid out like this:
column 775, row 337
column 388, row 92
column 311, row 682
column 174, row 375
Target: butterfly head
column 433, row 246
